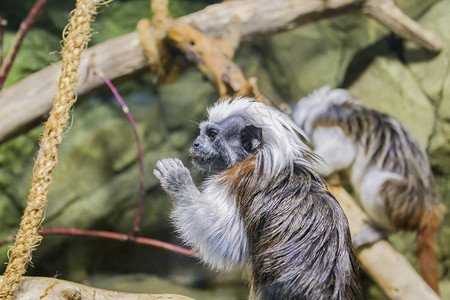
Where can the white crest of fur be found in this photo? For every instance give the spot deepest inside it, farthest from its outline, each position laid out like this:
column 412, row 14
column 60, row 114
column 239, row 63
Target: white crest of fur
column 281, row 144
column 309, row 107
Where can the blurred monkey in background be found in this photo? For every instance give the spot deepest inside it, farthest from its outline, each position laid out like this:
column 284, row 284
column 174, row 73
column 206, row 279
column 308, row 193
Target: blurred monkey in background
column 386, row 166
column 262, row 206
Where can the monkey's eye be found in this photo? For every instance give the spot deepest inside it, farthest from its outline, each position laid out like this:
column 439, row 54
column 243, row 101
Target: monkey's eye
column 211, row 133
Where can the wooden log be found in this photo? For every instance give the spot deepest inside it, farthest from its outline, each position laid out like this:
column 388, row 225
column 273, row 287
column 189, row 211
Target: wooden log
column 27, row 102
column 387, row 267
column 52, row 288
column 387, row 13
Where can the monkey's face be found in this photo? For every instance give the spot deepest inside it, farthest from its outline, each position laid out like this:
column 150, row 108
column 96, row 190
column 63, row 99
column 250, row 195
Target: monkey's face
column 221, row 145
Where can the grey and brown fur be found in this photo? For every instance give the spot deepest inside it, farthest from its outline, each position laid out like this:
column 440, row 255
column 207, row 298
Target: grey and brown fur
column 264, row 207
column 385, row 164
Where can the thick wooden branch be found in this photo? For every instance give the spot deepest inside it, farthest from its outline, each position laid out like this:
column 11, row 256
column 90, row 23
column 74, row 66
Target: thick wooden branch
column 265, row 17
column 388, row 268
column 387, row 13
column 27, row 102
column 52, row 288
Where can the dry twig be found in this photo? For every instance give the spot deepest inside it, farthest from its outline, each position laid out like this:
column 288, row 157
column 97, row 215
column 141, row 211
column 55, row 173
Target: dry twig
column 24, row 27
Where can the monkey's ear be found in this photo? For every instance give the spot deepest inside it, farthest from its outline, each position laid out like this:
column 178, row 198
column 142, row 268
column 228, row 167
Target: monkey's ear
column 251, row 137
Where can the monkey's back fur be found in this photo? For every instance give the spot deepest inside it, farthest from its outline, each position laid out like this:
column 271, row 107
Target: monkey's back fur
column 388, row 146
column 383, row 143
column 298, row 249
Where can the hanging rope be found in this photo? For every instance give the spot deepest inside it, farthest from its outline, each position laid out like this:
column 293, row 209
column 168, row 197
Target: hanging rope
column 152, row 38
column 160, row 12
column 76, row 36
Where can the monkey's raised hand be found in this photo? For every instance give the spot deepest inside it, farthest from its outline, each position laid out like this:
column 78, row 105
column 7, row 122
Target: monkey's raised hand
column 174, row 176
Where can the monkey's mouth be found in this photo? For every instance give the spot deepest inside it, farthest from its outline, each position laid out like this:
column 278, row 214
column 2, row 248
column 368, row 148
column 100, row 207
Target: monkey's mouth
column 200, row 160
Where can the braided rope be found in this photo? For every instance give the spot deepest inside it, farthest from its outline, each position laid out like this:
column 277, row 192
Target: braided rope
column 76, row 36
column 160, row 12
column 149, row 44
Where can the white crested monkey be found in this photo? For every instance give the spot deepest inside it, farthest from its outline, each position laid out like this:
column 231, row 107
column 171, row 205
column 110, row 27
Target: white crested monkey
column 385, row 164
column 262, row 206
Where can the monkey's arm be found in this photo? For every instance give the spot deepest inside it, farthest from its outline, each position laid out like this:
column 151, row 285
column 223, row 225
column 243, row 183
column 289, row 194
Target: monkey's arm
column 374, row 204
column 208, row 220
column 325, row 140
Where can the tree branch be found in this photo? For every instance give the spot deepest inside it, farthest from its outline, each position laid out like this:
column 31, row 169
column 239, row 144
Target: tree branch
column 387, row 13
column 109, row 235
column 27, row 102
column 52, row 288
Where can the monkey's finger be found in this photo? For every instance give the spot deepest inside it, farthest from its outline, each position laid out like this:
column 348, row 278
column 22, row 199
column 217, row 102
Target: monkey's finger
column 179, row 163
column 158, row 174
column 175, row 163
column 169, row 163
column 161, row 164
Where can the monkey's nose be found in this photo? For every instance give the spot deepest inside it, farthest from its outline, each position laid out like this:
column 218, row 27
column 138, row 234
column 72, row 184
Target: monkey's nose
column 196, row 144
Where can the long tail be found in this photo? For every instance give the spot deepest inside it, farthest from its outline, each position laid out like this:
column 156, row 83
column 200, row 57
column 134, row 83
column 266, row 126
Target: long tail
column 425, row 246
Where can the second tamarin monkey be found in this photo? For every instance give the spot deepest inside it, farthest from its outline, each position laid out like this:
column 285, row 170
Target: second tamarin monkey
column 386, row 166
column 262, row 206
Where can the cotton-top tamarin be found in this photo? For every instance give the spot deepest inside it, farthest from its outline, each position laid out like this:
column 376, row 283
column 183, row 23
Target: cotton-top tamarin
column 387, row 167
column 263, row 206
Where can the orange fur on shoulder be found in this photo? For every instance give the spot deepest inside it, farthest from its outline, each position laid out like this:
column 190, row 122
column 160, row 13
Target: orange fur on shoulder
column 240, row 171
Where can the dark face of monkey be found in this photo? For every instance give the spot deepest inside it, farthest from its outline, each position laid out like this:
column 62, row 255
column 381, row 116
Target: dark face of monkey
column 221, row 145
